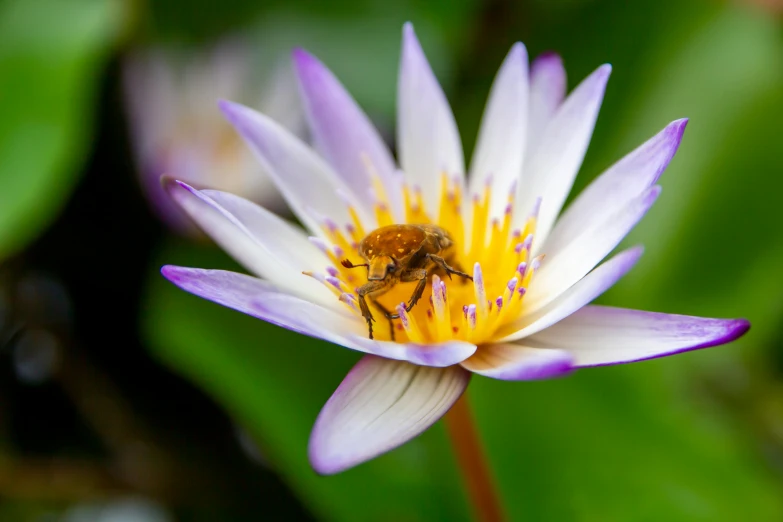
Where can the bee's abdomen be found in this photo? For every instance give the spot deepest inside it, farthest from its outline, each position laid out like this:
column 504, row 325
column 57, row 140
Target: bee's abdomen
column 397, row 241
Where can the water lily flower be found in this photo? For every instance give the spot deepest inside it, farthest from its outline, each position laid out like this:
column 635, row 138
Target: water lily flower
column 175, row 127
column 525, row 315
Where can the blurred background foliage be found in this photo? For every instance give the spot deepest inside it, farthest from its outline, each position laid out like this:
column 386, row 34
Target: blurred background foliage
column 121, row 396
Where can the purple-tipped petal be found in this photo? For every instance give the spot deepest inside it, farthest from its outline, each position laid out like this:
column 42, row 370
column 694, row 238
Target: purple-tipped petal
column 499, row 153
column 622, row 182
column 342, row 131
column 437, row 355
column 562, row 269
column 551, row 168
column 427, row 136
column 515, row 362
column 265, row 301
column 380, row 405
column 547, row 90
column 602, row 335
column 259, row 240
column 588, row 288
column 311, row 188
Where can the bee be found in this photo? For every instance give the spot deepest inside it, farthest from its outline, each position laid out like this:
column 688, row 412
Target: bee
column 402, row 254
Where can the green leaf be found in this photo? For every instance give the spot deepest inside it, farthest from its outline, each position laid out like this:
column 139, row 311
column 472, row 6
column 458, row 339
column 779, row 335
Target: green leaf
column 49, row 69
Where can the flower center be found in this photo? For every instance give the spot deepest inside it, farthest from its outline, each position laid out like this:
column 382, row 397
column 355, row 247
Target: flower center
column 455, row 308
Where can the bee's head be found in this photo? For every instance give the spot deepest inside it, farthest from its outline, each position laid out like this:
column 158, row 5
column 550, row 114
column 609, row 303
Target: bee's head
column 380, row 267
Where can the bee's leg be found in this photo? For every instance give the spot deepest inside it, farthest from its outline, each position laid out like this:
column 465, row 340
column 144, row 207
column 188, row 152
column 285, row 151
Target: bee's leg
column 387, row 314
column 368, row 289
column 420, row 275
column 366, row 313
column 446, row 268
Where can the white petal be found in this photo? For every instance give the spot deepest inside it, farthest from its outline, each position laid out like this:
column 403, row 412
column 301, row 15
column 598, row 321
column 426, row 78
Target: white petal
column 288, row 242
column 517, row 362
column 500, row 148
column 591, row 286
column 259, row 240
column 343, row 132
column 622, row 182
column 561, row 269
column 551, row 168
column 312, row 189
column 600, row 335
column 547, row 90
column 380, row 405
column 427, row 136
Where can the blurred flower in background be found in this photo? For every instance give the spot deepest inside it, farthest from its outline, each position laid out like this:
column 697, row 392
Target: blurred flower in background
column 171, row 102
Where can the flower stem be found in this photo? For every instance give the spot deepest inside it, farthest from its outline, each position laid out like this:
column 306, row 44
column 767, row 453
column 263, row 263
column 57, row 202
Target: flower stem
column 476, row 474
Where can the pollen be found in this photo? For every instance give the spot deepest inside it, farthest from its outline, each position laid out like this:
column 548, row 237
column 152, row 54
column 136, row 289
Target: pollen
column 451, row 308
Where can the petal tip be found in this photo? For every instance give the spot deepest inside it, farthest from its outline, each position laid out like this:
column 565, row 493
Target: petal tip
column 300, row 53
column 601, row 77
column 318, row 460
column 171, row 272
column 549, row 63
column 549, row 56
column 231, row 110
column 174, row 186
column 303, row 60
column 410, row 42
column 519, row 51
column 651, row 195
column 636, row 251
column 676, row 129
column 736, row 329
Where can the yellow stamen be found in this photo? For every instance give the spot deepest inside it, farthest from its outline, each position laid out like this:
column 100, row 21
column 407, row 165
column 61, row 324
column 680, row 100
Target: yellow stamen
column 479, row 230
column 440, row 303
column 451, row 308
column 357, row 230
column 410, row 325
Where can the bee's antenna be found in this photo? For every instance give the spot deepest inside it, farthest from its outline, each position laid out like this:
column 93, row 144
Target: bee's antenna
column 347, row 264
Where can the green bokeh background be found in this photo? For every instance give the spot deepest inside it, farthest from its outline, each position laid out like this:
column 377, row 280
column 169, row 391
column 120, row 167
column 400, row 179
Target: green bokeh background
column 689, row 438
